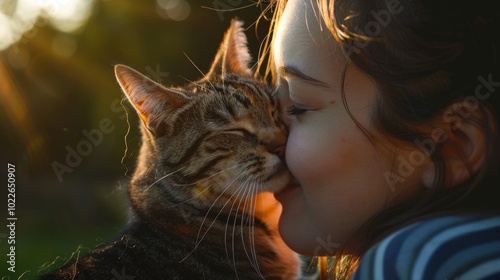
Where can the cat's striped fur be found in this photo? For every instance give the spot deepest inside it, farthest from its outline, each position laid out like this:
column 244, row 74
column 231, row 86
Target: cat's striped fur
column 209, row 150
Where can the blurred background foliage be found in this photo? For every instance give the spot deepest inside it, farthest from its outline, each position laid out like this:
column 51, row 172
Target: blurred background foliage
column 57, row 86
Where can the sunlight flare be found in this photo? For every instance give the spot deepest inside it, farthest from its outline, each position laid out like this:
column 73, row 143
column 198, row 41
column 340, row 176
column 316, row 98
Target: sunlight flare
column 20, row 20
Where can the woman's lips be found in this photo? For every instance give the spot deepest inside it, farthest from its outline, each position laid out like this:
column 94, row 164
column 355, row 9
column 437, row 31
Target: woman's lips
column 280, row 195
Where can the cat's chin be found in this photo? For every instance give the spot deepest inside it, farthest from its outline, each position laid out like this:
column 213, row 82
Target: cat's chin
column 275, row 175
column 277, row 182
column 272, row 184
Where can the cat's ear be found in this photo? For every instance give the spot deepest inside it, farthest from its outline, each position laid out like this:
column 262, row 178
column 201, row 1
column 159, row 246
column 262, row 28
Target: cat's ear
column 233, row 55
column 152, row 101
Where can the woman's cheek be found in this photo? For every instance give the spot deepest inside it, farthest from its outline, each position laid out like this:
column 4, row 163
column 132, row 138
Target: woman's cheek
column 301, row 157
column 319, row 152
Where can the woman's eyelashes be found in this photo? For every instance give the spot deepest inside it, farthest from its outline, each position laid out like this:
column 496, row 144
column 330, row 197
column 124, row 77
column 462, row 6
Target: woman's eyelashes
column 294, row 110
column 289, row 107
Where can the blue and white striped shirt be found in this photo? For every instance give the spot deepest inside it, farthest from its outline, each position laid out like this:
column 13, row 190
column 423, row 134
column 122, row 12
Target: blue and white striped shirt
column 452, row 247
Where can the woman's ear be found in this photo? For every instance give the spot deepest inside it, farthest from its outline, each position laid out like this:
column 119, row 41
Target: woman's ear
column 464, row 148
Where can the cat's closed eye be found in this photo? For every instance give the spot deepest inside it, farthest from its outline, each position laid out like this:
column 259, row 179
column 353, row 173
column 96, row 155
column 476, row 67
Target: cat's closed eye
column 252, row 138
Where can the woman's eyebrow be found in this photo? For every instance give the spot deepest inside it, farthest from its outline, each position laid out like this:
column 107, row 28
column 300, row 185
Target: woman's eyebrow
column 293, row 72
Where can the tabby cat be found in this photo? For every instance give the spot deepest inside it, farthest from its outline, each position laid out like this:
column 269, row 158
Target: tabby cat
column 209, row 151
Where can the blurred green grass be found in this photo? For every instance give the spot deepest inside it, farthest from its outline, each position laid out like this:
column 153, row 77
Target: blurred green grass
column 51, row 229
column 53, row 249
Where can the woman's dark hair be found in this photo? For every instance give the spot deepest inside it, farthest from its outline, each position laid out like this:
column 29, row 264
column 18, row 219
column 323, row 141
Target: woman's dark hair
column 432, row 60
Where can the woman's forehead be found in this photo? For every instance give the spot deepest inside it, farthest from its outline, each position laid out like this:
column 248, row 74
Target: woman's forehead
column 303, row 41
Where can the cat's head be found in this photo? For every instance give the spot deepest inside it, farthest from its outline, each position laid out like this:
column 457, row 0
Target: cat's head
column 218, row 137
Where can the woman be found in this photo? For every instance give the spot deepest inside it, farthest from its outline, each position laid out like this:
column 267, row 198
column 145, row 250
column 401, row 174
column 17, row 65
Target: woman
column 392, row 108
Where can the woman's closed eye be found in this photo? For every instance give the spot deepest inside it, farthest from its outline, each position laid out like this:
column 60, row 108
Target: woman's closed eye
column 294, row 110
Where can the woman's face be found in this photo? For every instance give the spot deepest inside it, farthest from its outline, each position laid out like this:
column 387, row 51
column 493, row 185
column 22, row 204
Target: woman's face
column 342, row 178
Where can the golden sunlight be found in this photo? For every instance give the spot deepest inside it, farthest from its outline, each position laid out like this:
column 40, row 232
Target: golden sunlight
column 18, row 114
column 20, row 19
column 176, row 10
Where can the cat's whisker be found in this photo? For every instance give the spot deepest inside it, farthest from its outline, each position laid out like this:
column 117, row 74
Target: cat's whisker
column 257, row 191
column 251, row 232
column 228, row 10
column 199, row 70
column 191, row 82
column 198, row 239
column 163, row 177
column 244, row 221
column 201, row 181
column 197, row 83
column 194, row 64
column 240, row 189
column 244, row 188
column 213, row 204
column 209, row 177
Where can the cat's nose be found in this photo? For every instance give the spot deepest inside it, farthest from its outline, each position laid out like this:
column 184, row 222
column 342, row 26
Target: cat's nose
column 276, row 148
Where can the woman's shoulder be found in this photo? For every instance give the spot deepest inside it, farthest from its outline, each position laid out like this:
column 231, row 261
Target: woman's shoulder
column 451, row 246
